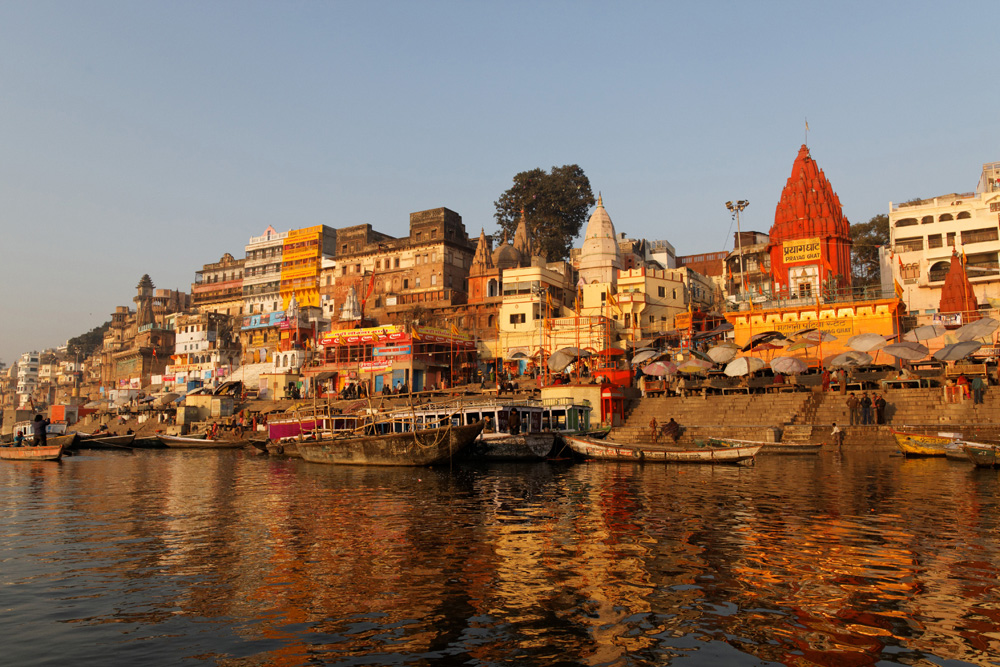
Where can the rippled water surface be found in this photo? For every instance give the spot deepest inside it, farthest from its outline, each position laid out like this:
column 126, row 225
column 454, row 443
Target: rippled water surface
column 166, row 557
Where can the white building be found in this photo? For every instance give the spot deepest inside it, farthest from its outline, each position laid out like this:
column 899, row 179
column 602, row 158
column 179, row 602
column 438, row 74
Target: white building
column 27, row 377
column 924, row 234
column 262, row 272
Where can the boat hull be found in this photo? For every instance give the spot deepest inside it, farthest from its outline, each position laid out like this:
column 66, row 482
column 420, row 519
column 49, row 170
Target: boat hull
column 506, row 447
column 611, row 451
column 919, row 444
column 106, row 442
column 982, row 455
column 46, row 453
column 179, row 442
column 424, row 447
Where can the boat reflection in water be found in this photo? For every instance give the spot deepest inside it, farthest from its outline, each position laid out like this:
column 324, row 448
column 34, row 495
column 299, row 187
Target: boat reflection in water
column 830, row 559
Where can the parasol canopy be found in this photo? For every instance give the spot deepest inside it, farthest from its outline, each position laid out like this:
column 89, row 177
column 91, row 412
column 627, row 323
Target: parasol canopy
column 850, row 360
column 867, row 342
column 925, row 332
column 817, row 336
column 563, row 357
column 694, row 366
column 978, row 329
column 788, row 365
column 801, row 344
column 909, row 350
column 774, row 339
column 744, row 366
column 660, row 368
column 644, row 356
column 957, row 351
column 724, row 353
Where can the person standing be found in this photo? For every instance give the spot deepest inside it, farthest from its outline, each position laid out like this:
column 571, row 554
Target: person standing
column 866, row 409
column 826, row 379
column 654, row 431
column 514, row 422
column 38, row 430
column 838, row 435
column 853, row 410
column 842, row 377
column 977, row 390
column 879, row 405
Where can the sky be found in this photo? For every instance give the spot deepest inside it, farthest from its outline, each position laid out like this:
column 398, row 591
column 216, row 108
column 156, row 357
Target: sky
column 153, row 137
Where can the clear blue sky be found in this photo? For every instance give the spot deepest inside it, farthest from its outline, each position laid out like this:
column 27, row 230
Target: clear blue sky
column 152, row 137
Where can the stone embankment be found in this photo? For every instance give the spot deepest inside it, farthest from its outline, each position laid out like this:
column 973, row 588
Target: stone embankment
column 809, row 416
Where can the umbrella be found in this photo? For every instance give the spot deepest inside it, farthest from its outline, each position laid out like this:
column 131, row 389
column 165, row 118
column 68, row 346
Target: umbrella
column 909, row 350
column 978, row 329
column 660, row 368
column 722, row 354
column 694, row 366
column 645, row 355
column 849, row 359
column 802, row 344
column 788, row 365
column 698, row 354
column 866, row 342
column 744, row 366
column 957, row 351
column 757, row 342
column 817, row 336
column 925, row 332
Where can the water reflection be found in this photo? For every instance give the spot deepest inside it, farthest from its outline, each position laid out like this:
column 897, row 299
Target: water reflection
column 838, row 559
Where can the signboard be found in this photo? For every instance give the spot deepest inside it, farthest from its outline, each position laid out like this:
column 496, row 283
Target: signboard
column 801, row 250
column 392, row 351
column 389, row 332
column 375, row 366
column 264, row 320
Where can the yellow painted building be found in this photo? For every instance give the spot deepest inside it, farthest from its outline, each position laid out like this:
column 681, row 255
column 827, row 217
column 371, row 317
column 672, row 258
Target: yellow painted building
column 301, row 262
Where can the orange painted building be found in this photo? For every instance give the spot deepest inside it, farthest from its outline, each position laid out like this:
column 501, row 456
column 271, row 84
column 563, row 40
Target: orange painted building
column 810, row 241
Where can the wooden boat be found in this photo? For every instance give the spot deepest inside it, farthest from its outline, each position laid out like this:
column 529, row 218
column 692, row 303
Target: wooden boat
column 782, row 448
column 922, row 444
column 147, row 442
column 419, row 447
column 648, row 453
column 183, row 442
column 982, row 454
column 284, row 447
column 106, row 442
column 507, row 447
column 47, row 453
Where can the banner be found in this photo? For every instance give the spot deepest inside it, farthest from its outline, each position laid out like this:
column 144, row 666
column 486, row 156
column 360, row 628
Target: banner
column 392, row 351
column 801, row 250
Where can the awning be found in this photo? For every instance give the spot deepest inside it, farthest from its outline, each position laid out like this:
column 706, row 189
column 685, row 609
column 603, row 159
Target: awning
column 325, row 375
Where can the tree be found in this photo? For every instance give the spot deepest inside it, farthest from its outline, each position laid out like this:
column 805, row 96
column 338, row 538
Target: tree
column 88, row 343
column 555, row 205
column 866, row 238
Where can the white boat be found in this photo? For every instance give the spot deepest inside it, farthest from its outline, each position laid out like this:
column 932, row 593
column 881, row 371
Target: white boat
column 609, row 450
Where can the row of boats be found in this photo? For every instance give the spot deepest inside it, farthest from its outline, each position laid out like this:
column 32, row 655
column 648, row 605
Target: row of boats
column 983, row 454
column 492, row 429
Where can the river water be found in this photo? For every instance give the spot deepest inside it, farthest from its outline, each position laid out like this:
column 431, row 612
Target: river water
column 167, row 557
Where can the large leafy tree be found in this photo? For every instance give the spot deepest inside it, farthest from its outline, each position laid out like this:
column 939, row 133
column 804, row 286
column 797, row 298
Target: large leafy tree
column 555, row 204
column 866, row 238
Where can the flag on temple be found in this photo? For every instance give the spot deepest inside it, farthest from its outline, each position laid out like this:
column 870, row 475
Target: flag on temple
column 454, row 330
column 414, row 335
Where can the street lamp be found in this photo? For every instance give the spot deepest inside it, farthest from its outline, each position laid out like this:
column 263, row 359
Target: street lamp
column 735, row 209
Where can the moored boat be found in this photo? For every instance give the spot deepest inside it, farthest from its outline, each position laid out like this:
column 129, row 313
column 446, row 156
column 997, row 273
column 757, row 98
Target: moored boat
column 648, row 453
column 106, row 442
column 982, row 454
column 782, row 448
column 416, row 447
column 46, row 453
column 183, row 442
column 507, row 447
column 922, row 444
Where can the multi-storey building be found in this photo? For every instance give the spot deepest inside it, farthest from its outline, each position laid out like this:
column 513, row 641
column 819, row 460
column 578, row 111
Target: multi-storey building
column 218, row 287
column 301, row 264
column 262, row 272
column 205, row 347
column 136, row 345
column 27, row 377
column 925, row 233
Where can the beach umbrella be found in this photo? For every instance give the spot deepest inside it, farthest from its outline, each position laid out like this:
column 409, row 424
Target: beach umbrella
column 801, row 344
column 849, row 360
column 957, row 351
column 909, row 350
column 644, row 356
column 867, row 342
column 818, row 336
column 722, row 354
column 744, row 366
column 788, row 365
column 978, row 329
column 773, row 339
column 925, row 332
column 563, row 357
column 660, row 368
column 694, row 366
column 698, row 354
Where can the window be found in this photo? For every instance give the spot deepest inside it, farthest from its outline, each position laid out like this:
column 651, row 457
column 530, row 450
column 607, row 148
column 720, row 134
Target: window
column 979, row 235
column 926, row 219
column 378, row 263
column 517, row 318
column 910, row 244
column 934, row 241
column 963, row 215
column 406, row 283
column 417, row 283
column 945, row 216
column 906, row 222
column 418, row 236
column 434, row 279
column 396, row 263
column 651, row 319
column 805, row 290
column 434, row 233
column 357, row 268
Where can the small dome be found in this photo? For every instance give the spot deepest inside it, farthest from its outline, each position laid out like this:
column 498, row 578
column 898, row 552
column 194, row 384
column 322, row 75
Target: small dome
column 506, row 257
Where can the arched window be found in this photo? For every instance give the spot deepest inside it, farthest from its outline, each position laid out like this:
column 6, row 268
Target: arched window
column 491, row 288
column 490, row 321
column 938, row 271
column 926, row 219
column 906, row 222
column 963, row 215
column 945, row 216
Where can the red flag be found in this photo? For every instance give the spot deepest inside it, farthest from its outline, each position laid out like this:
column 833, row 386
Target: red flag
column 371, row 286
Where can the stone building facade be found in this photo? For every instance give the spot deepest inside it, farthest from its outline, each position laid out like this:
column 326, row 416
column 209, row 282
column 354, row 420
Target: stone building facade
column 218, row 287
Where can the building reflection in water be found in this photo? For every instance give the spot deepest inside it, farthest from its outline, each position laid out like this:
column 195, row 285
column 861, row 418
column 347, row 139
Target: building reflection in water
column 815, row 560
